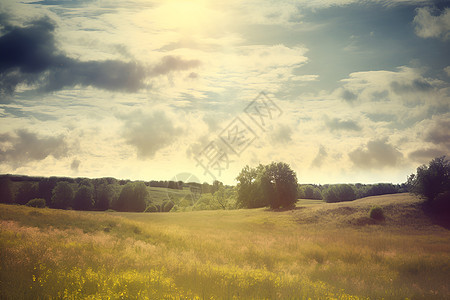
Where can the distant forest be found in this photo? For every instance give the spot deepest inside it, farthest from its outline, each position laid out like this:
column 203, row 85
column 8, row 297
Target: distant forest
column 157, row 196
column 109, row 193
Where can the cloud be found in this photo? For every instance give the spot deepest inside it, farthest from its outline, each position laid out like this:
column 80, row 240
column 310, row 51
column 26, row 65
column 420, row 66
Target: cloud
column 425, row 155
column 407, row 93
column 29, row 56
column 349, row 96
column 381, row 117
column 25, row 146
column 171, row 63
column 447, row 70
column 432, row 26
column 380, row 95
column 376, row 154
column 338, row 124
column 439, row 133
column 75, row 165
column 149, row 133
column 281, row 135
column 417, row 85
column 320, row 157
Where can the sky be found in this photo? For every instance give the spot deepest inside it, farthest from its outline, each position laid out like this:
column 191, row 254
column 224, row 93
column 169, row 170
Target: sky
column 344, row 91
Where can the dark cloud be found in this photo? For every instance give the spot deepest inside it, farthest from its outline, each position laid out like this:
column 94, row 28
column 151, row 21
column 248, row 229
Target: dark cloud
column 109, row 75
column 28, row 55
column 426, row 155
column 338, row 124
column 320, row 157
column 172, row 63
column 75, row 165
column 376, row 154
column 25, row 146
column 417, row 85
column 439, row 133
column 349, row 96
column 149, row 133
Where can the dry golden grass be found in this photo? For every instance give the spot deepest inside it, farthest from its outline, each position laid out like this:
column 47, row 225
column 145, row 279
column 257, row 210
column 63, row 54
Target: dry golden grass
column 318, row 251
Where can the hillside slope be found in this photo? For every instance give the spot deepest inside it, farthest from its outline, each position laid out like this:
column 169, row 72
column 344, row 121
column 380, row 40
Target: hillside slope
column 400, row 210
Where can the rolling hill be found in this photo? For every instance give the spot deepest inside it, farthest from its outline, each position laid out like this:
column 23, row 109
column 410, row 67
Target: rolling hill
column 318, row 250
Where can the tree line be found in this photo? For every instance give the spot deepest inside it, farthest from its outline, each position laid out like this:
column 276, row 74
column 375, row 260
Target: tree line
column 348, row 192
column 91, row 194
column 274, row 185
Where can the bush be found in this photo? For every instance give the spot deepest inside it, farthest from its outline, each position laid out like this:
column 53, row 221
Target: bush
column 376, row 213
column 37, row 202
column 442, row 202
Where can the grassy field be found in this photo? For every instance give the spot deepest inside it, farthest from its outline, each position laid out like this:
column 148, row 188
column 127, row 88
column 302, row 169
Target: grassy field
column 318, row 251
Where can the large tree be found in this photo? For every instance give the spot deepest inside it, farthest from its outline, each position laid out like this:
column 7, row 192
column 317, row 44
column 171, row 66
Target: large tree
column 104, row 196
column 45, row 188
column 283, row 181
column 62, row 195
column 26, row 192
column 248, row 190
column 273, row 185
column 132, row 197
column 83, row 198
column 433, row 183
column 6, row 195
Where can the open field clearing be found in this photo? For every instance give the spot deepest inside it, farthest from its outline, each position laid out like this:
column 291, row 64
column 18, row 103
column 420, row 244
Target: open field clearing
column 319, row 251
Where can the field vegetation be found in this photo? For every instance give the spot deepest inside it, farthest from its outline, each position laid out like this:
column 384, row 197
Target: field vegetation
column 317, row 250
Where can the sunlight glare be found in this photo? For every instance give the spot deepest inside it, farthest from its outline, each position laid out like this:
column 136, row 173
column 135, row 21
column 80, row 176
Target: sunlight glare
column 185, row 16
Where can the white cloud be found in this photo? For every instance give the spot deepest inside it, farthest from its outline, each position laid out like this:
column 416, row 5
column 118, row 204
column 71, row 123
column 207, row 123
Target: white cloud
column 447, row 70
column 429, row 25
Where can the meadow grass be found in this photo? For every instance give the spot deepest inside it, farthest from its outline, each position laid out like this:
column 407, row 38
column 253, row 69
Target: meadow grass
column 316, row 251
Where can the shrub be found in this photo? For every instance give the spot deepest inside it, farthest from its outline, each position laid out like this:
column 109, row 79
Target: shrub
column 442, row 202
column 37, row 202
column 376, row 213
